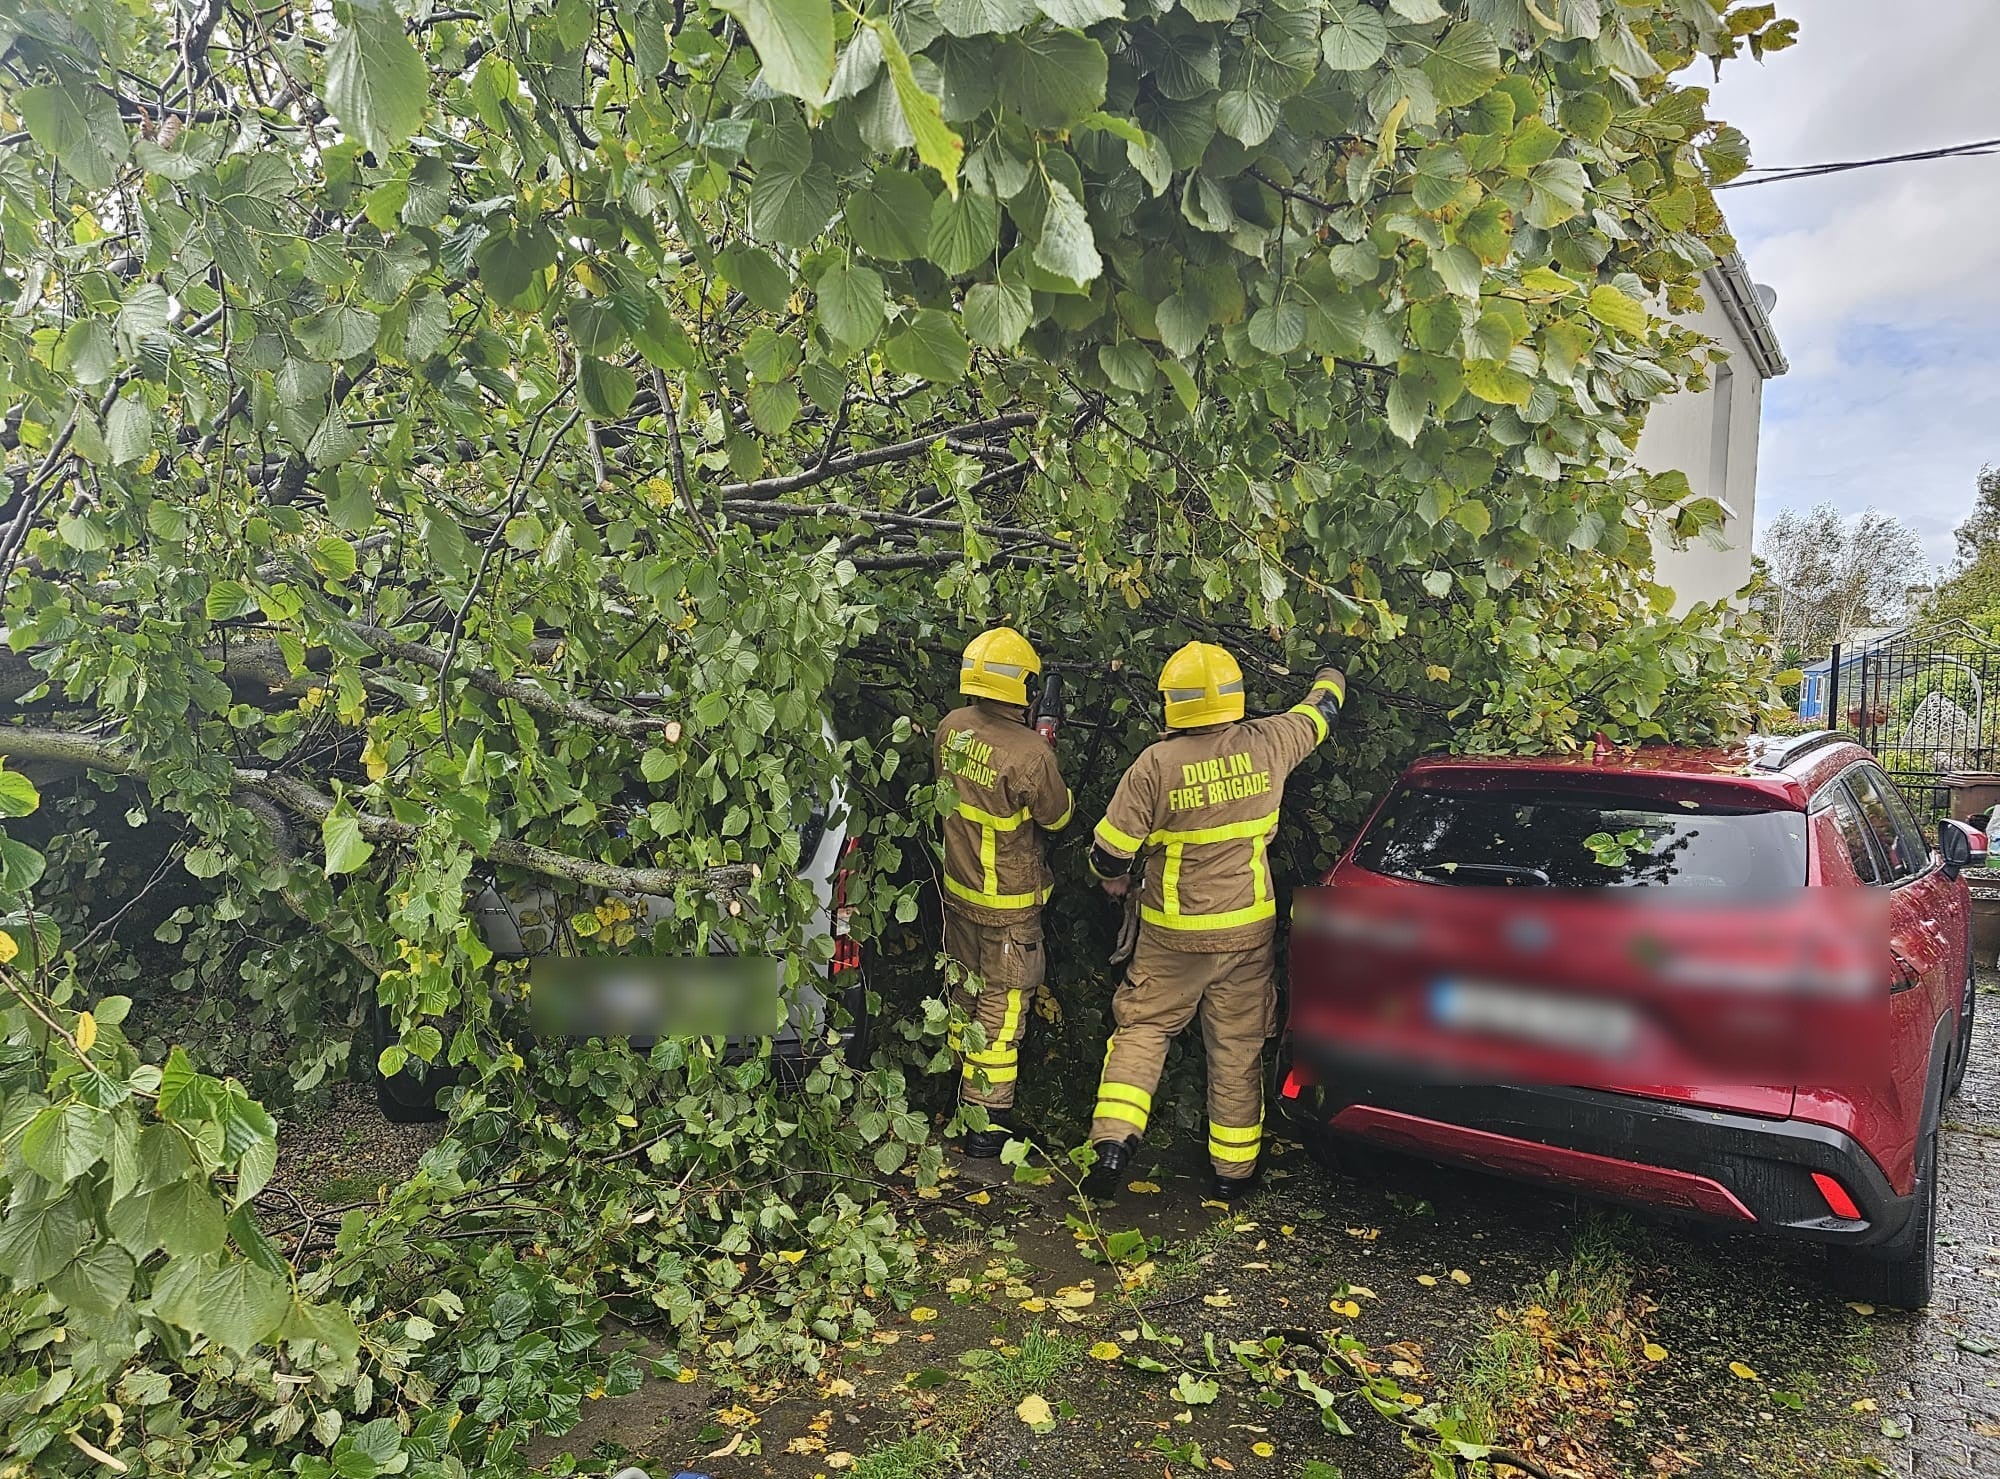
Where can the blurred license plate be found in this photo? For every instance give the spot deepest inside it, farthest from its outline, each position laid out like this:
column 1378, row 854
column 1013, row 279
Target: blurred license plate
column 1541, row 1017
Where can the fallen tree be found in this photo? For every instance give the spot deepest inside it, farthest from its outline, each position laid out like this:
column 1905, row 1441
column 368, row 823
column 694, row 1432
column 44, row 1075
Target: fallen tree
column 576, row 437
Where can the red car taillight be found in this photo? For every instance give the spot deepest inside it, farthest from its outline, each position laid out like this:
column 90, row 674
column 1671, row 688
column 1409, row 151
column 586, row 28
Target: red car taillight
column 1837, row 1199
column 846, row 949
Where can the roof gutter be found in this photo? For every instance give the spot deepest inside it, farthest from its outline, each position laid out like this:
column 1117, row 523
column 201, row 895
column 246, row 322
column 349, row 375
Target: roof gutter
column 1745, row 311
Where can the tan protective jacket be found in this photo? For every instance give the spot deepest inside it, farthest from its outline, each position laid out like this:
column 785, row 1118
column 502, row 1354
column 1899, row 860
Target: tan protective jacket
column 1204, row 803
column 1009, row 793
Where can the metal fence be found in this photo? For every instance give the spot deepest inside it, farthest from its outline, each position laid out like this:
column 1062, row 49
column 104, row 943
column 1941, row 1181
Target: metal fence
column 1926, row 701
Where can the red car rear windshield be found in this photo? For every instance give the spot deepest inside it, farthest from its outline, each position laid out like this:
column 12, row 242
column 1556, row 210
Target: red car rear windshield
column 1565, row 838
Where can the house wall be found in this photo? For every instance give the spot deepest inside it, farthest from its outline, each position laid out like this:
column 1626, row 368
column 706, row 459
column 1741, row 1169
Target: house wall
column 1711, row 436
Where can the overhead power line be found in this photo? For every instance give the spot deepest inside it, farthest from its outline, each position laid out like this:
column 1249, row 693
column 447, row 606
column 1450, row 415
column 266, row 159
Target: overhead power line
column 1773, row 175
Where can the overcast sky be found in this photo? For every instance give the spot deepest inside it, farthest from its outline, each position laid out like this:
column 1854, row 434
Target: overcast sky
column 1888, row 279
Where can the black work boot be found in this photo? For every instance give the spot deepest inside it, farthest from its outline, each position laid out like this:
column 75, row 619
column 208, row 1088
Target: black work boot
column 986, row 1144
column 1233, row 1189
column 1113, row 1156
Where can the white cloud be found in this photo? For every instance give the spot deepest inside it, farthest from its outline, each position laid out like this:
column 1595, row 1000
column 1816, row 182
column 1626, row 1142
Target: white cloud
column 1888, row 279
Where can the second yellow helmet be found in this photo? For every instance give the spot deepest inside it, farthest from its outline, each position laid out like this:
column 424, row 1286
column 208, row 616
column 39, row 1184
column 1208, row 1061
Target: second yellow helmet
column 1202, row 685
column 996, row 665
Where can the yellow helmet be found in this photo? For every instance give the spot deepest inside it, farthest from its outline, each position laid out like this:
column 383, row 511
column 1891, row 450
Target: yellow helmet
column 1202, row 685
column 996, row 666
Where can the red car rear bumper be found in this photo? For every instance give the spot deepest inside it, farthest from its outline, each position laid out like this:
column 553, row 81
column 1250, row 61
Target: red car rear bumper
column 1728, row 1168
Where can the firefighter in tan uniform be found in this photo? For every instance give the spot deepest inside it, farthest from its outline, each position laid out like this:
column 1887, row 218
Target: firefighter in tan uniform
column 996, row 876
column 1203, row 805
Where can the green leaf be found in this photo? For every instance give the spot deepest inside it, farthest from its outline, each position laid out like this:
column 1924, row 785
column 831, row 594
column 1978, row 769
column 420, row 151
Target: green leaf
column 98, row 1281
column 937, row 145
column 64, row 1141
column 930, row 347
column 758, row 274
column 36, row 1243
column 793, row 40
column 1407, row 404
column 1355, row 38
column 377, row 86
column 1183, row 323
column 964, row 231
column 1463, row 64
column 128, row 430
column 1473, row 516
column 607, row 389
column 1278, row 328
column 996, row 315
column 1054, row 79
column 1127, row 365
column 790, row 207
column 890, row 217
column 852, row 307
column 346, row 848
column 1614, row 310
column 1496, row 382
column 1246, row 115
column 1067, row 247
column 1080, row 15
column 229, row 600
column 79, row 127
column 237, row 1305
column 18, row 796
column 334, row 558
column 984, row 17
column 1196, row 1391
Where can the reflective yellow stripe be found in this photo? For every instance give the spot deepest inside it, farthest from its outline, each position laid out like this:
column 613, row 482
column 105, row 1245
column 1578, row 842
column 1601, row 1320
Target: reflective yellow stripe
column 1112, row 1110
column 1338, row 686
column 1113, row 840
column 992, row 1073
column 1010, row 1021
column 1138, row 1098
column 1228, row 832
column 1229, row 919
column 1069, row 811
column 1219, row 1152
column 992, row 819
column 994, row 1057
column 994, row 901
column 1235, row 1134
column 1318, row 719
column 1116, row 1101
column 1259, row 874
column 1170, row 879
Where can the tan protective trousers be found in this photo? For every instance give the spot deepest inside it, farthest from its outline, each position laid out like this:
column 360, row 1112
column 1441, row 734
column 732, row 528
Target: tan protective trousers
column 1237, row 998
column 1006, row 962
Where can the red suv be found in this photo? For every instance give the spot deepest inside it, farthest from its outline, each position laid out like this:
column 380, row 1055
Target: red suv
column 1731, row 984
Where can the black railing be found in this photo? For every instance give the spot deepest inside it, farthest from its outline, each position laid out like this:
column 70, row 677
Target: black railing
column 1927, row 702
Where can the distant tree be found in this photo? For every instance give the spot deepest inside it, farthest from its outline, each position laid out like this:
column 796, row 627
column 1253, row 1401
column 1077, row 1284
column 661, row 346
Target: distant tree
column 1830, row 574
column 1971, row 590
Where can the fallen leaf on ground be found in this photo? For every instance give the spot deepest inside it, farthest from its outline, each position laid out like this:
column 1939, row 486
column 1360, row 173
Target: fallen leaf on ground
column 1345, row 1307
column 1360, row 1291
column 1217, row 1461
column 886, row 1337
column 806, row 1443
column 1891, row 1428
column 1655, row 1351
column 1142, row 1187
column 1743, row 1373
column 728, row 1448
column 1218, row 1301
column 929, row 1194
column 792, row 1255
column 1460, row 1276
column 736, row 1416
column 841, row 1460
column 840, row 1386
column 1286, row 1228
column 923, row 1314
column 980, row 1198
column 1859, row 1308
column 1866, row 1404
column 1218, row 1206
column 1034, row 1306
column 1106, row 1350
column 1262, row 1450
column 1035, row 1410
column 1429, row 1281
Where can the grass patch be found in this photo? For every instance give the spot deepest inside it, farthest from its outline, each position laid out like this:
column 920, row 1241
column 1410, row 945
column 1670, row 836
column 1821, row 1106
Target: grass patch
column 917, row 1456
column 1563, row 1356
column 995, row 1386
